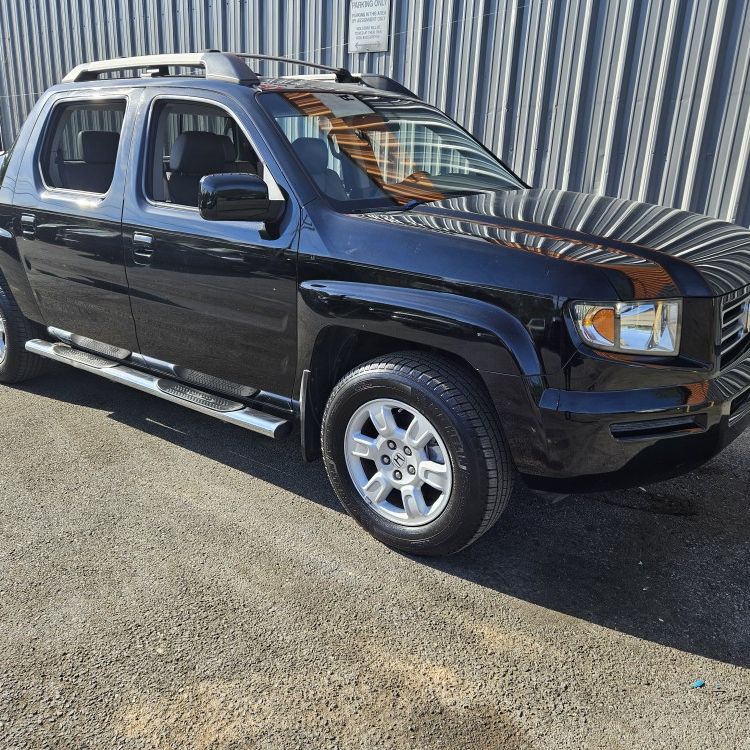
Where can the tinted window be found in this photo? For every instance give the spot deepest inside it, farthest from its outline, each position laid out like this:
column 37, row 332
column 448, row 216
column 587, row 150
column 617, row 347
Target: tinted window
column 188, row 142
column 81, row 145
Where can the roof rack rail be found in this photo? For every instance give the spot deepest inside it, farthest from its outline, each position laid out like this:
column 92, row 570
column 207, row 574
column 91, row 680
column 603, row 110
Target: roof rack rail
column 342, row 74
column 372, row 80
column 217, row 65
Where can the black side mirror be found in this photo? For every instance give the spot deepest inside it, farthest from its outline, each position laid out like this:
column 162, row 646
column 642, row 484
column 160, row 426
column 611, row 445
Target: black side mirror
column 235, row 197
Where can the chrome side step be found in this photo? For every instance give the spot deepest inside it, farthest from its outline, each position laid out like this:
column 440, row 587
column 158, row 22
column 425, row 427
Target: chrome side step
column 98, row 347
column 229, row 411
column 65, row 352
column 188, row 393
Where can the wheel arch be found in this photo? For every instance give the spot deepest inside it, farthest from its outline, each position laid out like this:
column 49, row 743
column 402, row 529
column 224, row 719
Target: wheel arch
column 343, row 324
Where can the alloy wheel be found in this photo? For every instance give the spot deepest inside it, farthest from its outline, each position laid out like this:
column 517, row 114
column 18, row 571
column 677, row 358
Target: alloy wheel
column 398, row 462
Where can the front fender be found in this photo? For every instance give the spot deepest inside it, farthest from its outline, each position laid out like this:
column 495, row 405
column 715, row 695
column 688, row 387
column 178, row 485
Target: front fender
column 488, row 337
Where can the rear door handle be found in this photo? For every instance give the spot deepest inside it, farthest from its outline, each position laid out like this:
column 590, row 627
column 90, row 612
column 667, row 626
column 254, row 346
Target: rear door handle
column 142, row 248
column 28, row 225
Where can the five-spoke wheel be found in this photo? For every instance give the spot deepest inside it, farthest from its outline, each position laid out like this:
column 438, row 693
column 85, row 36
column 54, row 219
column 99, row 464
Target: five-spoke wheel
column 398, row 462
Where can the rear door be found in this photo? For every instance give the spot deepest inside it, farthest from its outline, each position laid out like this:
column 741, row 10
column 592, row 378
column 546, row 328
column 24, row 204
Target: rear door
column 214, row 300
column 68, row 212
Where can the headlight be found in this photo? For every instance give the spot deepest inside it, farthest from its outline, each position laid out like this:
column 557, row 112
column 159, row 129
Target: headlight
column 651, row 327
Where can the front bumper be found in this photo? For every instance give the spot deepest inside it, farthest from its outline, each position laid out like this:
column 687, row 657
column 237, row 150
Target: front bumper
column 571, row 441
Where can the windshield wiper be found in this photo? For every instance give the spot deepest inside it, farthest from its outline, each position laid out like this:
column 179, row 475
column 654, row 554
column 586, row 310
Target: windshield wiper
column 413, row 203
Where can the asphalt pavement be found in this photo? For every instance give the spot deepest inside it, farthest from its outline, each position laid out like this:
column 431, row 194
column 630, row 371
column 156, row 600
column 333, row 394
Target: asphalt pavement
column 168, row 581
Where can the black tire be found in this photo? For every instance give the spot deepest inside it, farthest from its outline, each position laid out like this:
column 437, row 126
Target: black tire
column 455, row 401
column 16, row 364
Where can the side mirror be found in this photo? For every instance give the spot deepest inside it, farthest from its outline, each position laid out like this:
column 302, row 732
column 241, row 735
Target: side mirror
column 235, row 197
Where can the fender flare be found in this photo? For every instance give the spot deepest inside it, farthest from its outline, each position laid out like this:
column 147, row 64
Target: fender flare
column 488, row 337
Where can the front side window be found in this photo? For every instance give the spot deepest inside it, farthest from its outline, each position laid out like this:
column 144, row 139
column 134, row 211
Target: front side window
column 81, row 146
column 369, row 150
column 188, row 141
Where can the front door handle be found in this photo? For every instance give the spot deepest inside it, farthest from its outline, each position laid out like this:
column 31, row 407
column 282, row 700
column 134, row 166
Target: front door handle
column 28, row 225
column 142, row 248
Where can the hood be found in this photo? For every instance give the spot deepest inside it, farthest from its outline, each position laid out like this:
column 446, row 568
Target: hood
column 657, row 251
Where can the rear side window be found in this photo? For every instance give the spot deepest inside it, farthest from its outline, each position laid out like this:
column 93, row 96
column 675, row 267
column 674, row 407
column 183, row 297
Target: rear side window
column 81, row 145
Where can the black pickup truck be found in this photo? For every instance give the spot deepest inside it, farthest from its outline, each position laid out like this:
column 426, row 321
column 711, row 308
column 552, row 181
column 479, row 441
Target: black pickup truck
column 331, row 251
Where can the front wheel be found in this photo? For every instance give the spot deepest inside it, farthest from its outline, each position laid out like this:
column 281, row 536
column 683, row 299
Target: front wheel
column 414, row 452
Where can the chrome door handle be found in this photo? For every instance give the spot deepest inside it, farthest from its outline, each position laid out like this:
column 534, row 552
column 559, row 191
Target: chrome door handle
column 28, row 225
column 142, row 248
column 139, row 238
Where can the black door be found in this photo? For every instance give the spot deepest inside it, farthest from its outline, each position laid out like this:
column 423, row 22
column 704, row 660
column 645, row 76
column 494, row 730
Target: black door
column 68, row 205
column 215, row 298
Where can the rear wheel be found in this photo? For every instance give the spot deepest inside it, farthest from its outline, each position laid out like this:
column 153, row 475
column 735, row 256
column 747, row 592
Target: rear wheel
column 16, row 364
column 415, row 454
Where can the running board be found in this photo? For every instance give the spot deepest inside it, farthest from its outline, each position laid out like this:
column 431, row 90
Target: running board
column 225, row 409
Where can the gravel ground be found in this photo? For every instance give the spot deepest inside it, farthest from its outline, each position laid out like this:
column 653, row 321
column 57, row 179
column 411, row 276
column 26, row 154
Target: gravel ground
column 167, row 581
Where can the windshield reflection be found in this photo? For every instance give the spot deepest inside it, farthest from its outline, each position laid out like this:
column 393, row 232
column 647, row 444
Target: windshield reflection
column 369, row 150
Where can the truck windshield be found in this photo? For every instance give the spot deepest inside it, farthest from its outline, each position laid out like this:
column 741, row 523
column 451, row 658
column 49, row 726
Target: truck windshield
column 369, row 151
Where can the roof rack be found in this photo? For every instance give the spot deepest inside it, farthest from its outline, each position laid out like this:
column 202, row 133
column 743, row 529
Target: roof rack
column 223, row 66
column 217, row 65
column 342, row 74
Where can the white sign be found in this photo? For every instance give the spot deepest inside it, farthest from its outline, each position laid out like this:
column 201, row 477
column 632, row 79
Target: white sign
column 369, row 23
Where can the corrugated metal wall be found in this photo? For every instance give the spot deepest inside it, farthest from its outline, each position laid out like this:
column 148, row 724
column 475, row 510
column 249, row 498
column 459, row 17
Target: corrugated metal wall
column 632, row 98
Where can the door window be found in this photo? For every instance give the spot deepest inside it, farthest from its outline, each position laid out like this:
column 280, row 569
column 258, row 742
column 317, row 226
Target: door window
column 81, row 146
column 190, row 140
